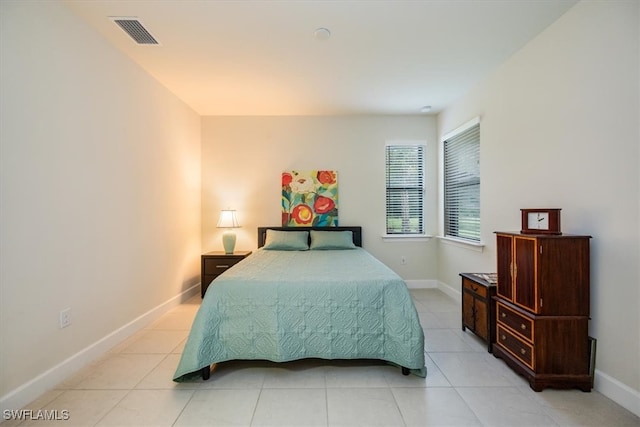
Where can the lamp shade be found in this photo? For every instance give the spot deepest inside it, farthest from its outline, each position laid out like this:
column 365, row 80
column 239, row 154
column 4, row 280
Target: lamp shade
column 228, row 219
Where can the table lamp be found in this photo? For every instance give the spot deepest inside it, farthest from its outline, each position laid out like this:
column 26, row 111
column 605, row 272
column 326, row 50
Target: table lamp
column 229, row 221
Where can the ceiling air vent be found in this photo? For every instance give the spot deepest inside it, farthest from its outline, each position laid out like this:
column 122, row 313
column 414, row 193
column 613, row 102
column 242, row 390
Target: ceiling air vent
column 136, row 30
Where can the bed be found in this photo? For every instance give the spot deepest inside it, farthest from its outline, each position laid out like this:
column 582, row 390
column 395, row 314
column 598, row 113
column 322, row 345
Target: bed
column 305, row 293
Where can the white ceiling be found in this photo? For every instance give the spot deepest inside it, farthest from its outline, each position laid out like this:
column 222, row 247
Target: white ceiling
column 383, row 57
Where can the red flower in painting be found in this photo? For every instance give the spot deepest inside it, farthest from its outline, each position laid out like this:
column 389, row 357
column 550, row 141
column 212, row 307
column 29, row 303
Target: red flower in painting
column 286, row 179
column 326, row 177
column 323, row 204
column 302, row 214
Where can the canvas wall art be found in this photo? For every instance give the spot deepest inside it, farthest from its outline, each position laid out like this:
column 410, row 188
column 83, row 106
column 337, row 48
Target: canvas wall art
column 310, row 198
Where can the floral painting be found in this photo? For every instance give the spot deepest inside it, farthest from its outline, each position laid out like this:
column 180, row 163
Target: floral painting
column 310, row 198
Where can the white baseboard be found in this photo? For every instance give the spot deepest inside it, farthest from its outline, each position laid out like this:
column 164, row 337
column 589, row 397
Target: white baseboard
column 620, row 393
column 434, row 284
column 31, row 390
column 421, row 284
column 453, row 293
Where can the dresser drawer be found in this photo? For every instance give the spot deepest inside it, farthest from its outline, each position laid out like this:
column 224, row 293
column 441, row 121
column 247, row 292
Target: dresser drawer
column 474, row 287
column 216, row 266
column 516, row 321
column 516, row 346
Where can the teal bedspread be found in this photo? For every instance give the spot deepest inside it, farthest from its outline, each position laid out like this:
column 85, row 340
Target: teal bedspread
column 288, row 305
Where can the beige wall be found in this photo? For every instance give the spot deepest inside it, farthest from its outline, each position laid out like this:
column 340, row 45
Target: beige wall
column 243, row 158
column 100, row 190
column 560, row 129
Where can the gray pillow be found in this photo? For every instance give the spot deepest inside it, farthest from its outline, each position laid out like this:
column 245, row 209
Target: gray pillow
column 277, row 240
column 332, row 240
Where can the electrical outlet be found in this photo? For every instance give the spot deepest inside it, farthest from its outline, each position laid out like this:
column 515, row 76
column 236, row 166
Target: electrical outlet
column 65, row 318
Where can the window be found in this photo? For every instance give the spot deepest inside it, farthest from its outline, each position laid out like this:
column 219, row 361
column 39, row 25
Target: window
column 462, row 182
column 405, row 188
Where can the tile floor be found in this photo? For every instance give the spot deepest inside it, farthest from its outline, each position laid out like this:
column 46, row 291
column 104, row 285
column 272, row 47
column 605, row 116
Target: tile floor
column 465, row 386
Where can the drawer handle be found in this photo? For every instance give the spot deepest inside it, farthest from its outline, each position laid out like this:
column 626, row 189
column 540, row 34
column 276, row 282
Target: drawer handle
column 523, row 351
column 503, row 338
column 474, row 289
column 523, row 326
column 503, row 315
column 222, row 266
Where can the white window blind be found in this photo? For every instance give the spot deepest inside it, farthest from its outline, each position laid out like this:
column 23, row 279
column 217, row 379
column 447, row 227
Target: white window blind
column 462, row 184
column 405, row 189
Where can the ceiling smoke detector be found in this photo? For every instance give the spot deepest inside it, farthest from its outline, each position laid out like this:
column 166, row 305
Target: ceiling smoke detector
column 322, row 34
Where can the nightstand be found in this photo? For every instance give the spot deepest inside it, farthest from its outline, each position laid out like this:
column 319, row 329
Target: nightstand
column 215, row 263
column 478, row 306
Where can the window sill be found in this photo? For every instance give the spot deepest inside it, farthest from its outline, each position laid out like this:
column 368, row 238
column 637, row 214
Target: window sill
column 406, row 237
column 461, row 243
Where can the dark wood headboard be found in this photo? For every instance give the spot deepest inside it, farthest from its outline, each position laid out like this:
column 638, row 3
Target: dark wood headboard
column 356, row 230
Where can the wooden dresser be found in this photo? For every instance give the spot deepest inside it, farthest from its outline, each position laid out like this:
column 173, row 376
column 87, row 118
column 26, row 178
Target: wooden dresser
column 542, row 310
